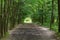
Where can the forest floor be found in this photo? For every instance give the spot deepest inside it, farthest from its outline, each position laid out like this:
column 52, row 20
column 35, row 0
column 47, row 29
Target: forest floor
column 31, row 32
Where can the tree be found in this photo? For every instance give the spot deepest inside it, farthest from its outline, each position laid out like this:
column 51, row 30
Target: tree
column 2, row 28
column 52, row 15
column 59, row 15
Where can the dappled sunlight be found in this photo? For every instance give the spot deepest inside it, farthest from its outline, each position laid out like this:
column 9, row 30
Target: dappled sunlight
column 28, row 20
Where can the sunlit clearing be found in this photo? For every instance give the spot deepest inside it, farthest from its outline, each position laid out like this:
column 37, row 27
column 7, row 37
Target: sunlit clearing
column 28, row 20
column 55, row 20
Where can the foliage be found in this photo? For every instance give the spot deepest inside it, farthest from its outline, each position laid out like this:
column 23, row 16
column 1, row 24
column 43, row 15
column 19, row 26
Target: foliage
column 14, row 12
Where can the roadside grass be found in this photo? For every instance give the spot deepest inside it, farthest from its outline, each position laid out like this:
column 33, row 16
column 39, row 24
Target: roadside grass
column 5, row 36
column 57, row 36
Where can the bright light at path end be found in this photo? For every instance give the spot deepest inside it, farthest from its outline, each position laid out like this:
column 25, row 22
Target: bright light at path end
column 28, row 20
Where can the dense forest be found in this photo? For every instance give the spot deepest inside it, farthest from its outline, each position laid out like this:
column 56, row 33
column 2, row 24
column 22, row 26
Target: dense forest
column 42, row 12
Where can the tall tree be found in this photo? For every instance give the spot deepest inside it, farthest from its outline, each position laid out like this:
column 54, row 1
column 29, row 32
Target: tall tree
column 2, row 20
column 52, row 14
column 59, row 15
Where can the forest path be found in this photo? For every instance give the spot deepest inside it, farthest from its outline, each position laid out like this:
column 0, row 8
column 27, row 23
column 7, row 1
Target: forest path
column 31, row 32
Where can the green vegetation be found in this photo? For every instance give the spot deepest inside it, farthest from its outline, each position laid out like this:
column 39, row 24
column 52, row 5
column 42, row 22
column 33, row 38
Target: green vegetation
column 42, row 12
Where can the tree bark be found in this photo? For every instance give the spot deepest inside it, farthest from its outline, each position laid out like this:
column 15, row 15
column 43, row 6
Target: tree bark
column 52, row 15
column 59, row 15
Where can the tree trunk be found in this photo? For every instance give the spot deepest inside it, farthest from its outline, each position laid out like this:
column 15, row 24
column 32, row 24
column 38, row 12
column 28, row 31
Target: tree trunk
column 5, row 16
column 52, row 15
column 1, row 20
column 59, row 15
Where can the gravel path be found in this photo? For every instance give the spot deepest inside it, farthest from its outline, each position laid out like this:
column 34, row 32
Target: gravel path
column 31, row 32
